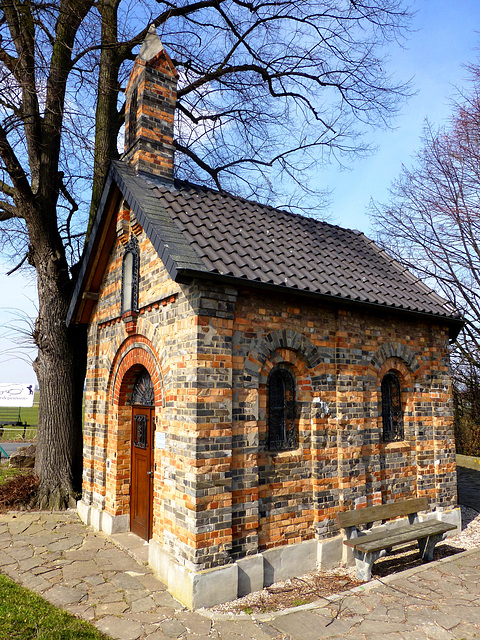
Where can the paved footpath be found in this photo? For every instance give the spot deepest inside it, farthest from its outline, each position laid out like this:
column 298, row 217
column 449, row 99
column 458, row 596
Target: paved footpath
column 87, row 574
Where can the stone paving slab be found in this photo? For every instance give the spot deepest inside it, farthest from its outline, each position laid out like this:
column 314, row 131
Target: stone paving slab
column 87, row 574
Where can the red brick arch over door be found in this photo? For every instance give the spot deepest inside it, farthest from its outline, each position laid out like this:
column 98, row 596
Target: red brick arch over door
column 135, row 351
column 129, row 486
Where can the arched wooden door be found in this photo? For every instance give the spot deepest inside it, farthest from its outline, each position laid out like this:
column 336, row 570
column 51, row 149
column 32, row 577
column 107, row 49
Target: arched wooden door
column 143, row 439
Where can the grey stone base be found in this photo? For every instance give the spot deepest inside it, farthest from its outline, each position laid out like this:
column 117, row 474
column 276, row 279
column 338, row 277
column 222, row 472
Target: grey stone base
column 193, row 589
column 453, row 516
column 101, row 520
column 252, row 573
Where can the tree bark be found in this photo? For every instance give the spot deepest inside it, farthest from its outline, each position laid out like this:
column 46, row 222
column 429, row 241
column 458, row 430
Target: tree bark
column 107, row 121
column 60, row 368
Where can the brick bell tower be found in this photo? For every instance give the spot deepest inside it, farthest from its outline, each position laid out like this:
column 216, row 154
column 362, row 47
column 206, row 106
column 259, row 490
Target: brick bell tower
column 151, row 96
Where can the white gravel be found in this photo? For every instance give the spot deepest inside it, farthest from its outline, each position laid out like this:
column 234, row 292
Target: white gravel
column 469, row 537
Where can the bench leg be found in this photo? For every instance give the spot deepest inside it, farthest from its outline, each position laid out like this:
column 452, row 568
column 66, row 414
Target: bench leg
column 364, row 563
column 427, row 545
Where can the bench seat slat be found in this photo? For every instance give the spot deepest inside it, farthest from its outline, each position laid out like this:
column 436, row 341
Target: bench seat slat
column 10, row 416
column 381, row 512
column 379, row 540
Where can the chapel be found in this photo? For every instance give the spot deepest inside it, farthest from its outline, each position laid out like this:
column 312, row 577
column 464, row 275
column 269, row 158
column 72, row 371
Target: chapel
column 251, row 372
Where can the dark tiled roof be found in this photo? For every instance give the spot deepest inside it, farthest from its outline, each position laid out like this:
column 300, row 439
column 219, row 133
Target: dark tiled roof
column 201, row 232
column 231, row 236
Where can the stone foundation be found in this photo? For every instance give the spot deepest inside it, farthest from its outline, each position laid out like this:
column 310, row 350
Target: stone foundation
column 252, row 573
column 101, row 520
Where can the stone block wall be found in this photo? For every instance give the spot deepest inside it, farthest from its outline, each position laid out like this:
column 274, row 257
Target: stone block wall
column 339, row 357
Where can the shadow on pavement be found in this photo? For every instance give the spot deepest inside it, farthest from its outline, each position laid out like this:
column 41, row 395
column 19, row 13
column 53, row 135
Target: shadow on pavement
column 468, row 484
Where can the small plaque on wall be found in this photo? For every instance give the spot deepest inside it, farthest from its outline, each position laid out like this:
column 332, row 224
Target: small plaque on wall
column 160, row 440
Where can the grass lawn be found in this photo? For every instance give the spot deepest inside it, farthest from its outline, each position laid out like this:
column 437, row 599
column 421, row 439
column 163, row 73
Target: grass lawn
column 15, row 434
column 6, row 472
column 28, row 415
column 26, row 616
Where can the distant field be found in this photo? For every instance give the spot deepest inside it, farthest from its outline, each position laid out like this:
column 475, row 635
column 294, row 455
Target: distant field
column 28, row 415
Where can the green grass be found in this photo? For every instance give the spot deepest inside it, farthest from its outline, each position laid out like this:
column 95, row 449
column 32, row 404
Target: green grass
column 16, row 434
column 6, row 473
column 28, row 415
column 26, row 616
column 298, row 602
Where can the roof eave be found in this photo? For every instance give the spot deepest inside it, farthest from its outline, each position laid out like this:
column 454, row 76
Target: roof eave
column 78, row 298
column 170, row 244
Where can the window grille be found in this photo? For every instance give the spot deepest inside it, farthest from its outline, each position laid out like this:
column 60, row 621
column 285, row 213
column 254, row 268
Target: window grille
column 281, row 410
column 140, row 436
column 392, row 408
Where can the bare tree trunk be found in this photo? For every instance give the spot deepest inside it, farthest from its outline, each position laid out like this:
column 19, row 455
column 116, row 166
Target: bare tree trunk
column 60, row 373
column 107, row 120
column 60, row 368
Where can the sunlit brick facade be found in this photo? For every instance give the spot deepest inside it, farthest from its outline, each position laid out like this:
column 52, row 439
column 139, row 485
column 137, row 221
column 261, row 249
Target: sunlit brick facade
column 228, row 513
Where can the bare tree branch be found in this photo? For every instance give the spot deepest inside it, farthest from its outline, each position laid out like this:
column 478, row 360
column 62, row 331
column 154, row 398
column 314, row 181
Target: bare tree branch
column 18, row 266
column 432, row 222
column 8, row 211
column 7, row 189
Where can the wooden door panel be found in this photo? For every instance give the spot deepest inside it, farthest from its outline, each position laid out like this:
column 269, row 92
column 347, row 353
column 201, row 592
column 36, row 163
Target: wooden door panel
column 140, row 499
column 141, row 488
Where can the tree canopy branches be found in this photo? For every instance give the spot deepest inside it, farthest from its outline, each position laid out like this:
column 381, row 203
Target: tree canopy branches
column 432, row 222
column 260, row 82
column 268, row 92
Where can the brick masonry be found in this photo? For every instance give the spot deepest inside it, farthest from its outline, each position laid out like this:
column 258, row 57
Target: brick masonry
column 219, row 494
column 220, row 497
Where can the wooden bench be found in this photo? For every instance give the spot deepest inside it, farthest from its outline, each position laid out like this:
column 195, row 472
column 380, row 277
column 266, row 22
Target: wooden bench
column 368, row 547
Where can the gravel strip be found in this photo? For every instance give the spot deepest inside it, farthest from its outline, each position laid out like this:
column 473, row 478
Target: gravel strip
column 321, row 584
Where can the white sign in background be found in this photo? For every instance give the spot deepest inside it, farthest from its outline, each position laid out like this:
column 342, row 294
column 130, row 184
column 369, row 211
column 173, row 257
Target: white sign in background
column 16, row 395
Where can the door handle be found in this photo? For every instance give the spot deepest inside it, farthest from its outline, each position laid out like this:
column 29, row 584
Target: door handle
column 150, row 473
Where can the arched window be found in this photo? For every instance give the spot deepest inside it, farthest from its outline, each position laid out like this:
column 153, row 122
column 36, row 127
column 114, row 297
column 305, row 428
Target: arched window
column 392, row 408
column 130, row 267
column 143, row 392
column 282, row 432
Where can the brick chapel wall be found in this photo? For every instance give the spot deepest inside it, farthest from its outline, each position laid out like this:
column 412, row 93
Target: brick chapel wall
column 183, row 337
column 219, row 494
column 107, row 423
column 339, row 357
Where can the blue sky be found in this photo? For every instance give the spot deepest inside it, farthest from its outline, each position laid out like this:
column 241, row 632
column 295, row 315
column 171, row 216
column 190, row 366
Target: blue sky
column 446, row 38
